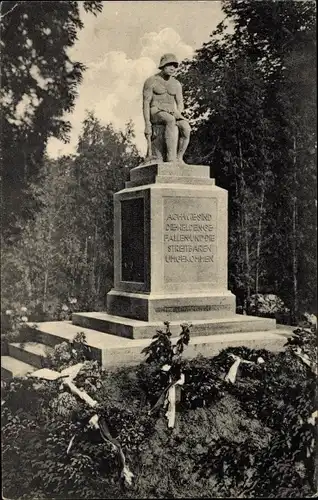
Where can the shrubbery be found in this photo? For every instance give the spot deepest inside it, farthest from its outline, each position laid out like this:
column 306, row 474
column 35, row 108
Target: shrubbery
column 253, row 437
column 13, row 319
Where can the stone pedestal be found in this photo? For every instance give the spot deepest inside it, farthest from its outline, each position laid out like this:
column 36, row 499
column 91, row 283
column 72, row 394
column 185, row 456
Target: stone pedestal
column 170, row 246
column 170, row 257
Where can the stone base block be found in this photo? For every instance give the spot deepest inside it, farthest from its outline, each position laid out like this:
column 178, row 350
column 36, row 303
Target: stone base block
column 129, row 353
column 173, row 307
column 135, row 329
column 169, row 173
column 11, row 367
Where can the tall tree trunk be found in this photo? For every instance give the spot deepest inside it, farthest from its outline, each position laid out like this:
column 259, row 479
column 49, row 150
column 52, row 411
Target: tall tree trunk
column 248, row 265
column 294, row 234
column 46, row 279
column 244, row 226
column 258, row 245
column 93, row 277
column 84, row 266
column 46, row 272
column 28, row 283
column 235, row 232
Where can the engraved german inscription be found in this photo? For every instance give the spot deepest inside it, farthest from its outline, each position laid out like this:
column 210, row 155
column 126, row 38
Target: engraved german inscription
column 189, row 238
column 217, row 307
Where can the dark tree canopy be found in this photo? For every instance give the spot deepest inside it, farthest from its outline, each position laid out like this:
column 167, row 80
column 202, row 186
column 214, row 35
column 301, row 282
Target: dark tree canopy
column 251, row 95
column 39, row 84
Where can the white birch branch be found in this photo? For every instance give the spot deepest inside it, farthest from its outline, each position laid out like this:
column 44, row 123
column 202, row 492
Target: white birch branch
column 8, row 12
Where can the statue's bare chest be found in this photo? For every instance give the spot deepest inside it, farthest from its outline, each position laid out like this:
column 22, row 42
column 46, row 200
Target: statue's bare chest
column 161, row 87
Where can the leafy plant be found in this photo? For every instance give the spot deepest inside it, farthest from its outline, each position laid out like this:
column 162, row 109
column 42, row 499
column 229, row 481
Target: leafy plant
column 12, row 322
column 164, row 360
column 69, row 353
column 203, row 383
column 161, row 349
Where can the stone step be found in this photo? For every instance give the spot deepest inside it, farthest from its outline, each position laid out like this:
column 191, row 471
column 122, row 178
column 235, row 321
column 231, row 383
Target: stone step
column 51, row 333
column 114, row 351
column 11, row 367
column 32, row 353
column 207, row 345
column 136, row 329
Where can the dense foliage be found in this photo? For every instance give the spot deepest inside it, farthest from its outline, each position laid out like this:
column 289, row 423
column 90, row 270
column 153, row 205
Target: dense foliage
column 39, row 84
column 66, row 251
column 251, row 438
column 251, row 95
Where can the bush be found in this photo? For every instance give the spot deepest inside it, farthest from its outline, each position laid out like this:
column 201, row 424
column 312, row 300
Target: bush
column 15, row 317
column 250, row 438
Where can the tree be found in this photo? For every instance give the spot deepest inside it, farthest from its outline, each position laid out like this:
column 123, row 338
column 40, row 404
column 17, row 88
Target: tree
column 66, row 250
column 38, row 85
column 104, row 158
column 296, row 97
column 251, row 95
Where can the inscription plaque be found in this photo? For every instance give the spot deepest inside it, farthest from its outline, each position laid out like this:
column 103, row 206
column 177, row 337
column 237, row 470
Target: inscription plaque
column 217, row 307
column 132, row 240
column 189, row 239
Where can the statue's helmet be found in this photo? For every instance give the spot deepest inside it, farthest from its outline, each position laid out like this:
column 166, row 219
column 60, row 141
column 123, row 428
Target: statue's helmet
column 168, row 59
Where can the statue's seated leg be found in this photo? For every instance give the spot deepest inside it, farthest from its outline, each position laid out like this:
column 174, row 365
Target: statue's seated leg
column 184, row 138
column 158, row 145
column 170, row 134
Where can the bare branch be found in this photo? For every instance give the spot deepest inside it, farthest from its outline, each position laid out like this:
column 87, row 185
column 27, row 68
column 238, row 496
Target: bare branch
column 9, row 11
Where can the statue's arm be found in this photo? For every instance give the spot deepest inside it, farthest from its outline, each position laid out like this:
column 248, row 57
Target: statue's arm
column 147, row 96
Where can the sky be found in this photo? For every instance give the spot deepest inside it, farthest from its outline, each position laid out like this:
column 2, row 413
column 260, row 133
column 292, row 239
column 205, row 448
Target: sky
column 121, row 47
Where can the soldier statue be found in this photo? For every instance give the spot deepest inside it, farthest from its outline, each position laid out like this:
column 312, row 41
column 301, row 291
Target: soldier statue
column 162, row 110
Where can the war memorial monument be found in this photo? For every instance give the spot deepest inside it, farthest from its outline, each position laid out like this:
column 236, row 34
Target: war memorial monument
column 170, row 254
column 170, row 242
